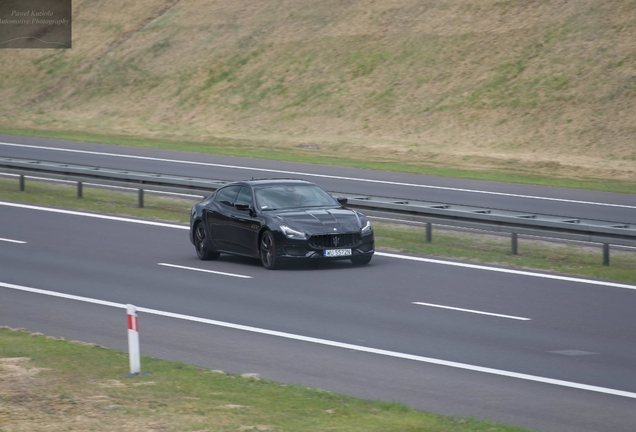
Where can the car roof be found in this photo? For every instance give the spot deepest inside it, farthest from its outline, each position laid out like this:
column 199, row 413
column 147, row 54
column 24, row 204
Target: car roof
column 271, row 182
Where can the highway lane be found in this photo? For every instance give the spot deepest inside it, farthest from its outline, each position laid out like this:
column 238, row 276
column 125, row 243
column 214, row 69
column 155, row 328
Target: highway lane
column 523, row 198
column 577, row 332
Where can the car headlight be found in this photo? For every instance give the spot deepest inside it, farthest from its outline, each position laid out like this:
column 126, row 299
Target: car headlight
column 292, row 233
column 366, row 228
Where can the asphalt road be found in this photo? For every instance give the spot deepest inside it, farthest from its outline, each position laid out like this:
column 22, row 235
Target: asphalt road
column 523, row 198
column 549, row 354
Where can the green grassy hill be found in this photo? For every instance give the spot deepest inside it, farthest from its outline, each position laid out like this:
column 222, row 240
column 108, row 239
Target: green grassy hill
column 520, row 86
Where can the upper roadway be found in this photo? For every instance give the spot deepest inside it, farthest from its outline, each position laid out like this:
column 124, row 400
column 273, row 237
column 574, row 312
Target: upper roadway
column 507, row 196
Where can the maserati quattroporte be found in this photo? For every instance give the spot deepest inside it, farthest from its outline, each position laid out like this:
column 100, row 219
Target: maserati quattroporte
column 279, row 221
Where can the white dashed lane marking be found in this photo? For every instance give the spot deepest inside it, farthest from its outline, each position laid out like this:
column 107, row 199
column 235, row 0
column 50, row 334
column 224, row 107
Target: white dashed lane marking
column 472, row 311
column 12, row 241
column 204, row 270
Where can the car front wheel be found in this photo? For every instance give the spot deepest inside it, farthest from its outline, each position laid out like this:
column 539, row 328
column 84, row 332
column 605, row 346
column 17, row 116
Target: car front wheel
column 268, row 251
column 201, row 244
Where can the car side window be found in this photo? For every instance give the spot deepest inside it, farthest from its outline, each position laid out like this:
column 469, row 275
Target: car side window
column 227, row 195
column 244, row 196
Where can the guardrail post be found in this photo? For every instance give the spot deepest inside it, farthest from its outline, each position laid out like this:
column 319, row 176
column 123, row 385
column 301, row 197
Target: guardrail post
column 429, row 232
column 79, row 190
column 606, row 254
column 141, row 198
column 513, row 241
column 21, row 183
column 133, row 340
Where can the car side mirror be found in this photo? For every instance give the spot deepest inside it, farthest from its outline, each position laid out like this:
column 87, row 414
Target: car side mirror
column 242, row 206
column 342, row 200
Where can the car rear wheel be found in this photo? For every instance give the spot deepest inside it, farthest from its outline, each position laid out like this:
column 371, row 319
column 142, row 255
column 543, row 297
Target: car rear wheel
column 268, row 251
column 361, row 260
column 201, row 244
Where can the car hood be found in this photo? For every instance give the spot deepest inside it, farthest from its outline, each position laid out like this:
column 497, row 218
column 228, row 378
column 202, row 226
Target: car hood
column 321, row 221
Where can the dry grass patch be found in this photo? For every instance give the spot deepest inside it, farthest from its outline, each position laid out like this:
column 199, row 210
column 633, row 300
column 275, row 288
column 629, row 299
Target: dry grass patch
column 568, row 258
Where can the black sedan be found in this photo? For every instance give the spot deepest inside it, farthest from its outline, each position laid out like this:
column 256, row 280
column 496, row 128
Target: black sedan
column 279, row 221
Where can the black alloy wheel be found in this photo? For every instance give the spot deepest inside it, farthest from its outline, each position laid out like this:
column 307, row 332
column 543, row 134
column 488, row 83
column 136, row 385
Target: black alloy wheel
column 268, row 251
column 200, row 243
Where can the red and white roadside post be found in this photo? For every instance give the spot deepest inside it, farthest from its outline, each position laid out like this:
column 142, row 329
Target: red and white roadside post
column 133, row 340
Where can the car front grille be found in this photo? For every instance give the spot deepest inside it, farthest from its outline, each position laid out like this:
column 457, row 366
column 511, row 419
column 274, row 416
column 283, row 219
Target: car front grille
column 342, row 240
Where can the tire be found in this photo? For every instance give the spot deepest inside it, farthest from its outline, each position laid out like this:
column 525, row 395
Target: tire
column 201, row 244
column 268, row 251
column 361, row 260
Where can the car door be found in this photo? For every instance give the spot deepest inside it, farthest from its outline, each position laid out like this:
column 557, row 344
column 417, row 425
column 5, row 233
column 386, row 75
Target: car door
column 219, row 217
column 243, row 231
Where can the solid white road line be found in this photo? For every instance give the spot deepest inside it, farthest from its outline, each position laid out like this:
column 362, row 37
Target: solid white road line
column 326, row 342
column 204, row 270
column 95, row 215
column 471, row 311
column 61, row 295
column 294, row 173
column 384, row 254
column 12, row 241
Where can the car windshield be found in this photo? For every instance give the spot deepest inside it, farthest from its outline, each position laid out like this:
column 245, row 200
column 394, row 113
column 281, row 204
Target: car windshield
column 277, row 197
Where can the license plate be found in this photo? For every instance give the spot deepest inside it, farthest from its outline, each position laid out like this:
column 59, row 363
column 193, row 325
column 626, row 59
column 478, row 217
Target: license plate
column 337, row 252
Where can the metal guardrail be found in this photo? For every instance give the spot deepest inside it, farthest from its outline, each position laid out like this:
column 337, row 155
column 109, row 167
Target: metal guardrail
column 499, row 220
column 108, row 177
column 504, row 221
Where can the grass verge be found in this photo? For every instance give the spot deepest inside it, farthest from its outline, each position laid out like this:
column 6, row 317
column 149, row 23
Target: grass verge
column 52, row 384
column 259, row 149
column 483, row 248
column 556, row 257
